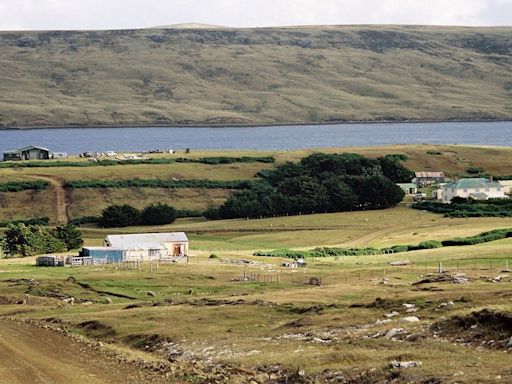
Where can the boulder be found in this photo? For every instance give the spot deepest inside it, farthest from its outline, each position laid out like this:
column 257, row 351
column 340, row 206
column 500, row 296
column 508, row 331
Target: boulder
column 393, row 332
column 411, row 319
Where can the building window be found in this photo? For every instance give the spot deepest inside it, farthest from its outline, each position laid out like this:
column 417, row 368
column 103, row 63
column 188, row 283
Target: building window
column 153, row 252
column 465, row 189
column 486, row 189
column 498, row 189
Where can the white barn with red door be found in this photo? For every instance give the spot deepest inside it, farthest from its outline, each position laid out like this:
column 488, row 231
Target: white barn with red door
column 171, row 246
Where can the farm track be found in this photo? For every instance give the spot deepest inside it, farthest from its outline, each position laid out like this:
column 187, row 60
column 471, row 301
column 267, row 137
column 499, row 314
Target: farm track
column 32, row 355
column 62, row 197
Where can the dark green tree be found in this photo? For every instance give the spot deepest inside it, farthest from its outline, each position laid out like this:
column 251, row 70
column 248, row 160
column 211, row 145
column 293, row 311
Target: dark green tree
column 394, row 170
column 158, row 214
column 69, row 235
column 23, row 240
column 119, row 216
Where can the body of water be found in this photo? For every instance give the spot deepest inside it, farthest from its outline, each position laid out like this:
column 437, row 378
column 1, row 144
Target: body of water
column 78, row 140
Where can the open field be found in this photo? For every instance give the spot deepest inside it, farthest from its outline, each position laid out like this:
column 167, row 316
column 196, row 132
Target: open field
column 268, row 75
column 277, row 325
column 454, row 160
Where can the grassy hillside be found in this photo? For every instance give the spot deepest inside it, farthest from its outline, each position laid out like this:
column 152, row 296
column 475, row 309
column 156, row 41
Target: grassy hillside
column 454, row 160
column 271, row 75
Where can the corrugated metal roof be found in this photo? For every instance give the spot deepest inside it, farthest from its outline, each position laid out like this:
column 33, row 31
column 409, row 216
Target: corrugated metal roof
column 473, row 183
column 102, row 248
column 27, row 148
column 145, row 240
column 429, row 174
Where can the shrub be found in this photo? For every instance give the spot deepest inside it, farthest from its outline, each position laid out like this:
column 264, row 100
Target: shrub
column 119, row 216
column 23, row 240
column 158, row 214
column 70, row 236
column 431, row 244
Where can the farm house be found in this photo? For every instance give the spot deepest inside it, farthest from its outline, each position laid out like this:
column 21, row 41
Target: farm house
column 150, row 246
column 32, row 152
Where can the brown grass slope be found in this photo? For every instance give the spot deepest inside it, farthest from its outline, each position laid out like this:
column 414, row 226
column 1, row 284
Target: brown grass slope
column 270, row 75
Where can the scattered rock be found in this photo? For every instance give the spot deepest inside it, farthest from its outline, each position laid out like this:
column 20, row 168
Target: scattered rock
column 393, row 332
column 392, row 314
column 411, row 319
column 69, row 300
column 151, row 293
column 405, row 364
column 108, row 300
column 408, row 306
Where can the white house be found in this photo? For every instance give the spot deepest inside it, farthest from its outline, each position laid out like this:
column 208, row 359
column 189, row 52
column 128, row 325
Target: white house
column 151, row 246
column 478, row 189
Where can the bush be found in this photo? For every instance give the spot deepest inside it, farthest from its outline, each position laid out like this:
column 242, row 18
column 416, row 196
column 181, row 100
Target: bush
column 119, row 216
column 23, row 240
column 213, row 256
column 70, row 236
column 431, row 244
column 85, row 220
column 158, row 214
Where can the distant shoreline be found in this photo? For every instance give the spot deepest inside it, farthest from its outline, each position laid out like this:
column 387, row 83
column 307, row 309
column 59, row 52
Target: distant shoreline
column 252, row 125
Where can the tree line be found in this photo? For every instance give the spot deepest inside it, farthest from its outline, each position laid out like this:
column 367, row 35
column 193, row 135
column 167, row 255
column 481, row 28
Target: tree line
column 320, row 183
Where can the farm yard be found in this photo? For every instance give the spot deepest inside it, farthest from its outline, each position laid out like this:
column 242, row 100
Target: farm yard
column 439, row 315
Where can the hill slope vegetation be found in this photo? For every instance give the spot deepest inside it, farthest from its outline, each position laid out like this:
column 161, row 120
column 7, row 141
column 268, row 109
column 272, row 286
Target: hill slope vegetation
column 255, row 76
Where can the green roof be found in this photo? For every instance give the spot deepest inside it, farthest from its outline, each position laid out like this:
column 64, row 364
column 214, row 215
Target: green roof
column 473, row 183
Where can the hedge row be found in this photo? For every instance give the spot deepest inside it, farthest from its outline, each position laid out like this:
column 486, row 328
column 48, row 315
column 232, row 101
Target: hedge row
column 228, row 160
column 110, row 162
column 35, row 221
column 180, row 213
column 17, row 186
column 483, row 237
column 489, row 208
column 159, row 183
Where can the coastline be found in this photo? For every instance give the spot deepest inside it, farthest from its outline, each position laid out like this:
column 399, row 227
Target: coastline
column 252, row 125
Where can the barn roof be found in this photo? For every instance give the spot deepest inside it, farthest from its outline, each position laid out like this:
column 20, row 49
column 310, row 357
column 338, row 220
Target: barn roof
column 429, row 174
column 28, row 148
column 145, row 240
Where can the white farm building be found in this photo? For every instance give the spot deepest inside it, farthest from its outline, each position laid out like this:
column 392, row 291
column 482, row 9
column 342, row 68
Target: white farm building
column 150, row 246
column 476, row 189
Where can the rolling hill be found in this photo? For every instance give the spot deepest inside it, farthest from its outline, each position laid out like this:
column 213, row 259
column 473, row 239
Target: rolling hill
column 255, row 76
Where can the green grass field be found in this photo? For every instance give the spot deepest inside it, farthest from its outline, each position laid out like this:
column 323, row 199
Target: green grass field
column 331, row 328
column 454, row 160
column 206, row 309
column 269, row 75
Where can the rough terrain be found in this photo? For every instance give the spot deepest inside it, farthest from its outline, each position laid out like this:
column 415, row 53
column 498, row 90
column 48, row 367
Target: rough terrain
column 254, row 76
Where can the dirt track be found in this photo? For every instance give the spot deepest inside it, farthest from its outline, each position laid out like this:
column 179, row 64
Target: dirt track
column 32, row 355
column 61, row 203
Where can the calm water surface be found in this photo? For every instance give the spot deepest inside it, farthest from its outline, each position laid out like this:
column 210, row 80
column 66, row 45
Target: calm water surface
column 77, row 140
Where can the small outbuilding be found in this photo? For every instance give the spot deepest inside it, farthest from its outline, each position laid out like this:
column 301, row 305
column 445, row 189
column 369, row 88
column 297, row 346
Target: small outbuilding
column 408, row 188
column 428, row 178
column 32, row 152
